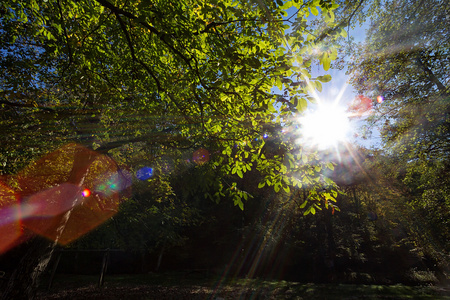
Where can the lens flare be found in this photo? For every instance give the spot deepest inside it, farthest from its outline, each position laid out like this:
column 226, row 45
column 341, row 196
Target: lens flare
column 112, row 182
column 56, row 207
column 144, row 173
column 10, row 216
column 52, row 201
column 200, row 156
column 86, row 193
column 361, row 105
column 380, row 99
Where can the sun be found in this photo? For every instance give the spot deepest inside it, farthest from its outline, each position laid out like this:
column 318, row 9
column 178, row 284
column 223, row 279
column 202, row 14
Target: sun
column 326, row 126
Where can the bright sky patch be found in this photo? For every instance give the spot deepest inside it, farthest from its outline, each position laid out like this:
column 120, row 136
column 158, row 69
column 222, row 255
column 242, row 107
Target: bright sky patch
column 326, row 126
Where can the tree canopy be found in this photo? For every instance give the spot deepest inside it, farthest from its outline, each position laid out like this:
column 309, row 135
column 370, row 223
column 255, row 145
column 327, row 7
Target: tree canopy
column 192, row 101
column 159, row 75
column 403, row 66
column 158, row 84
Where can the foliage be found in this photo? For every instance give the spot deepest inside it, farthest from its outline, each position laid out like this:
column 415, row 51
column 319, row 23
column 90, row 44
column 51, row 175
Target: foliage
column 149, row 77
column 404, row 65
column 151, row 82
column 401, row 73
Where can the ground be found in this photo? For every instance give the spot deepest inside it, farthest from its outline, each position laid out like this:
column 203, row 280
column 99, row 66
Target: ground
column 179, row 287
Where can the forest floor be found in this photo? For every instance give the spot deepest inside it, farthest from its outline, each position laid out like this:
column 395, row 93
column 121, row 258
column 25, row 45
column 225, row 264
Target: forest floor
column 191, row 286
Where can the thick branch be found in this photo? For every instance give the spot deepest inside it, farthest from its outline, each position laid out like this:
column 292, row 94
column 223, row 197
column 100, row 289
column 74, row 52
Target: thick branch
column 65, row 34
column 431, row 75
column 151, row 138
column 6, row 102
column 215, row 24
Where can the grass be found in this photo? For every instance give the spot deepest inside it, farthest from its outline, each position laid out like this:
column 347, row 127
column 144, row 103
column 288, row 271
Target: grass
column 187, row 285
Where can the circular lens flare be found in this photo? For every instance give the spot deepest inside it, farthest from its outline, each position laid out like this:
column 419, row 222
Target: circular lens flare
column 144, row 173
column 200, row 156
column 86, row 193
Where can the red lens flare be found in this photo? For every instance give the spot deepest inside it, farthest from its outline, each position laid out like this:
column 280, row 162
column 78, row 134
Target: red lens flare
column 86, row 193
column 200, row 156
column 361, row 105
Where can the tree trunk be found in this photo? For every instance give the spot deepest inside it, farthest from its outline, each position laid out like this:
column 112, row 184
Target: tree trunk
column 331, row 243
column 158, row 263
column 24, row 281
column 442, row 89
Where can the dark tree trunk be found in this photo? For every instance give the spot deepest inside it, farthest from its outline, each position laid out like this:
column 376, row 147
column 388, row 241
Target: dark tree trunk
column 420, row 62
column 158, row 263
column 331, row 243
column 24, row 281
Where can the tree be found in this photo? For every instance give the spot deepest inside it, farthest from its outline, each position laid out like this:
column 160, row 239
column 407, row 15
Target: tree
column 403, row 68
column 406, row 64
column 149, row 77
column 200, row 74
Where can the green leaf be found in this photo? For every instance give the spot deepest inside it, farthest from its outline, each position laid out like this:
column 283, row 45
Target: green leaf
column 238, row 202
column 307, row 211
column 304, row 158
column 302, row 105
column 261, row 184
column 326, row 61
column 314, row 11
column 278, row 84
column 304, row 204
column 318, row 86
column 254, row 62
column 239, row 173
column 324, row 78
column 277, row 187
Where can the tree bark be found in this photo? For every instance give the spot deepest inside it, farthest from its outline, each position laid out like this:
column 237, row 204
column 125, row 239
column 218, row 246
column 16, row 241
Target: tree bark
column 24, row 281
column 158, row 263
column 442, row 89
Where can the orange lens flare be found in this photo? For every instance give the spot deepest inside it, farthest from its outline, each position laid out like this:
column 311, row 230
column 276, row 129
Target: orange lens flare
column 10, row 215
column 54, row 203
column 86, row 193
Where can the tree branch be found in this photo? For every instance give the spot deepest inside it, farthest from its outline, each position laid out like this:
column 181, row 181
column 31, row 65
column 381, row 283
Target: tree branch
column 161, row 35
column 431, row 75
column 6, row 102
column 215, row 24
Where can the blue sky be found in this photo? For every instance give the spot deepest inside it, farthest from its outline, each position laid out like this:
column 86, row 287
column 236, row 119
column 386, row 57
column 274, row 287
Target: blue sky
column 339, row 89
column 340, row 85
